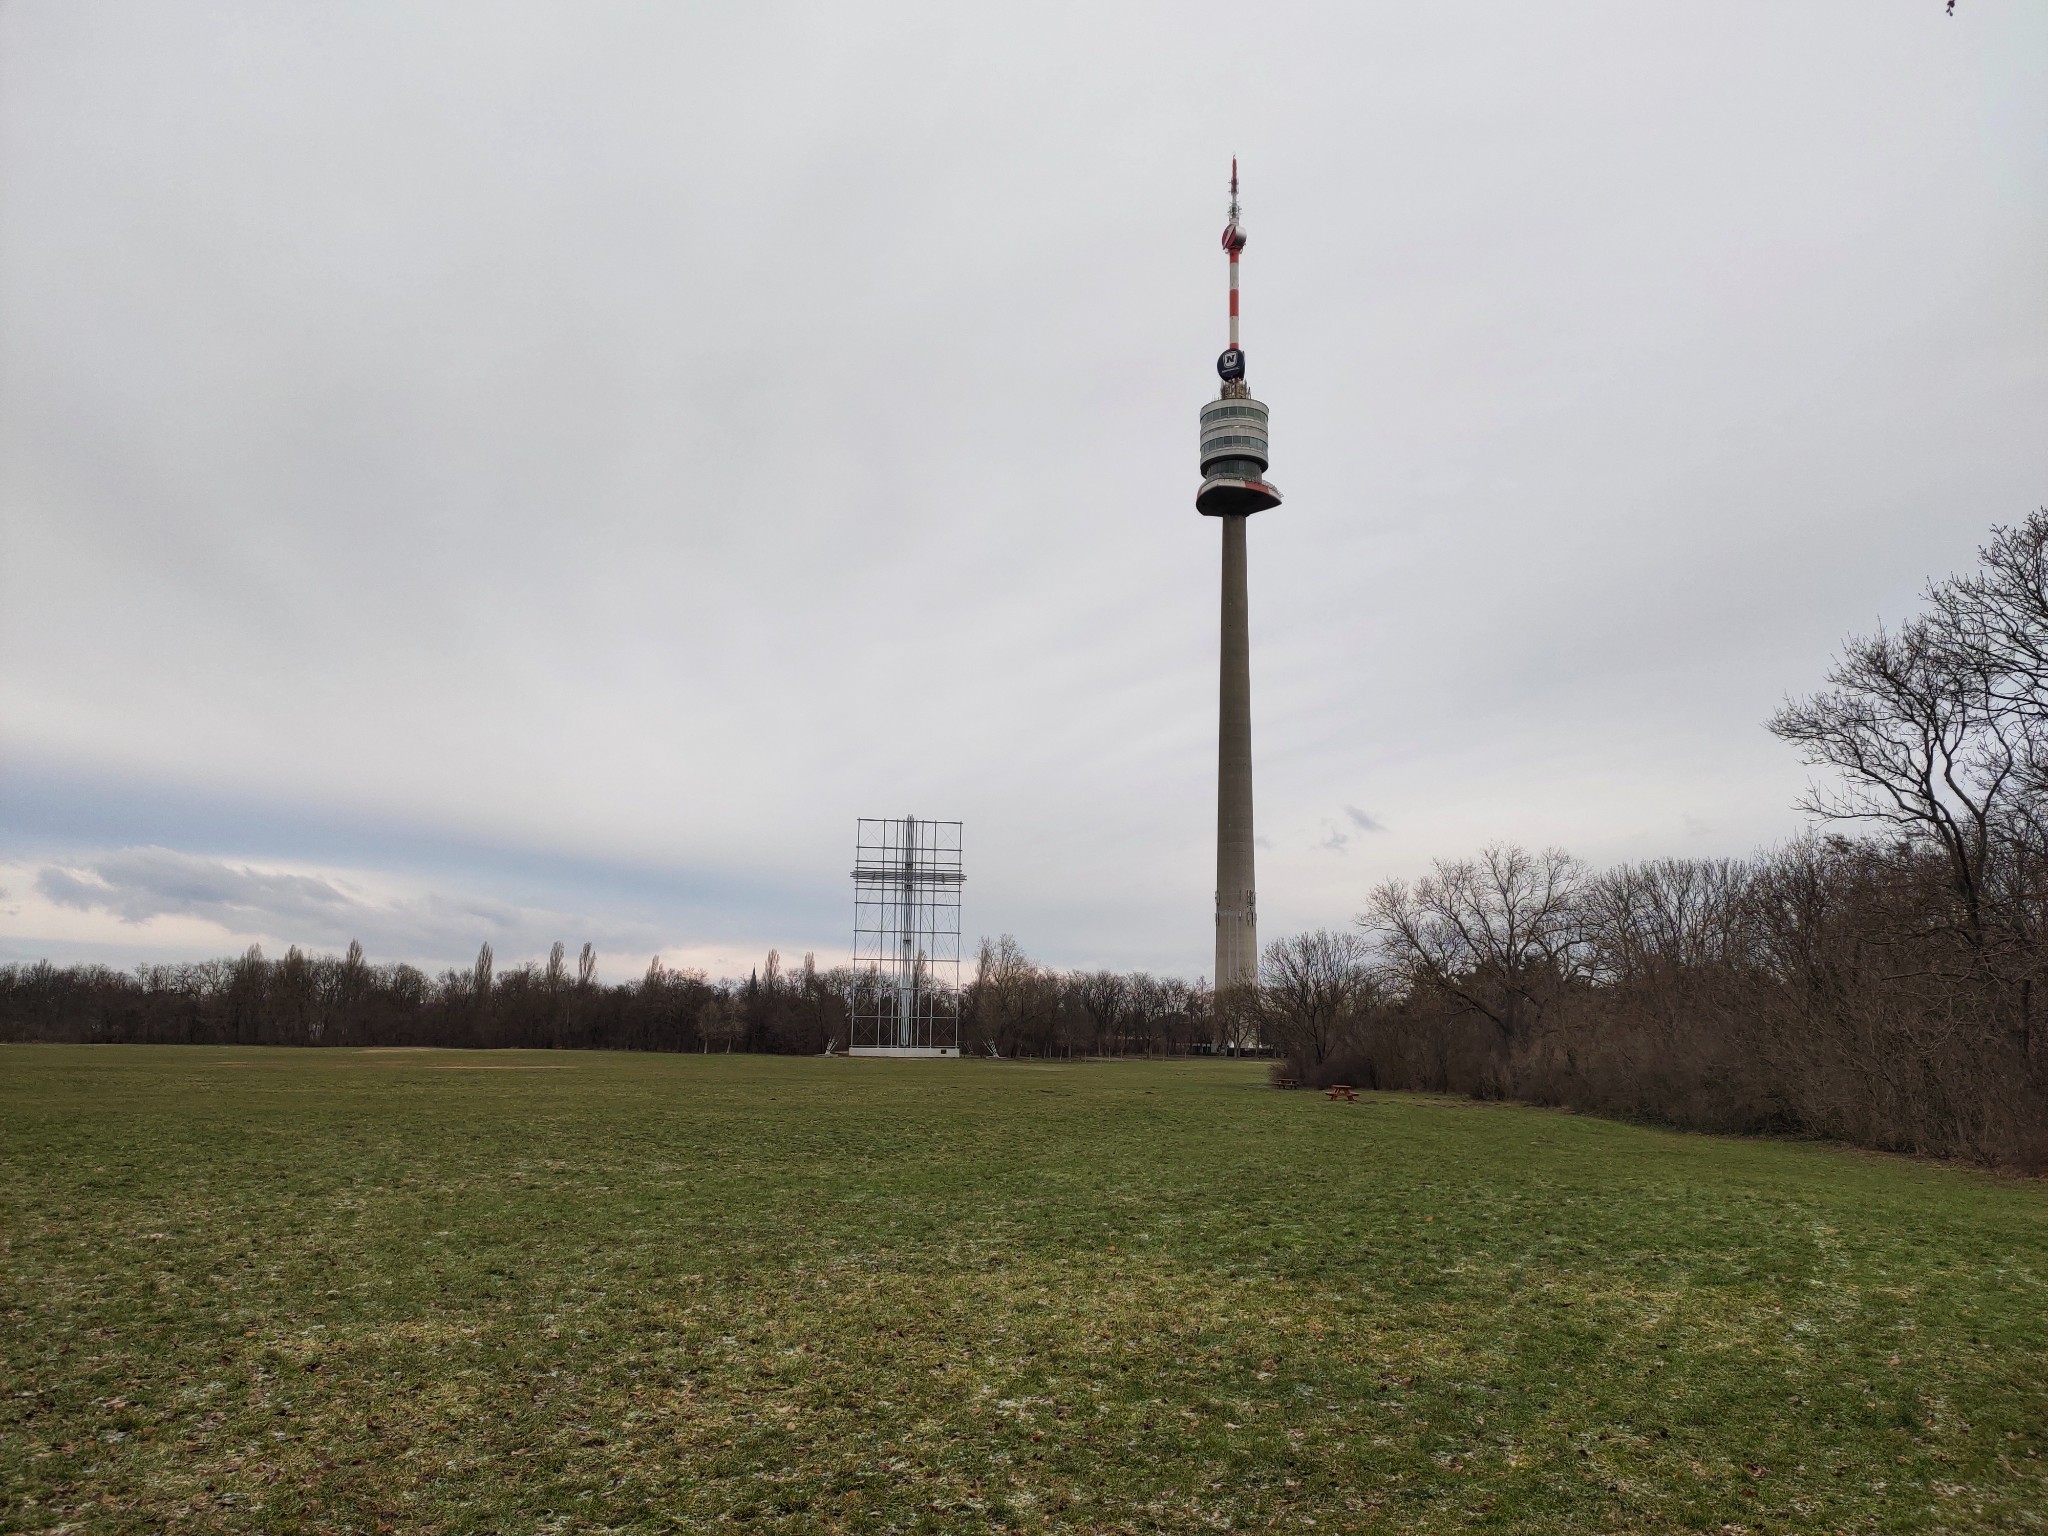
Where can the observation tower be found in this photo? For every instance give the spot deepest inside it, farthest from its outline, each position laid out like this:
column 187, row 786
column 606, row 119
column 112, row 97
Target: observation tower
column 1234, row 486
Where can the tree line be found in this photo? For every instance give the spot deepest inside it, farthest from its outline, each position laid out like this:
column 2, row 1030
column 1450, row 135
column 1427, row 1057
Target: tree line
column 1878, row 980
column 1011, row 1006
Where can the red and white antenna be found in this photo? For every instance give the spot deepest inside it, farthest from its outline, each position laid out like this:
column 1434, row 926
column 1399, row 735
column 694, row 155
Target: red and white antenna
column 1233, row 242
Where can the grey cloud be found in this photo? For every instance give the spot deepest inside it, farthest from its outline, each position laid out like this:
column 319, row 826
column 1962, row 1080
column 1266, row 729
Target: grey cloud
column 1336, row 840
column 137, row 884
column 65, row 888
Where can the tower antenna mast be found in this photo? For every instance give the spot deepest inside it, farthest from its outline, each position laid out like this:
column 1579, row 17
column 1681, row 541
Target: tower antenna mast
column 1233, row 242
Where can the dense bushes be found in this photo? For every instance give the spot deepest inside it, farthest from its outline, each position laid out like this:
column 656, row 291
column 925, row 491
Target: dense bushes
column 1809, row 990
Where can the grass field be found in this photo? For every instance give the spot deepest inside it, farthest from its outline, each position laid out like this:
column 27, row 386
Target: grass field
column 435, row 1291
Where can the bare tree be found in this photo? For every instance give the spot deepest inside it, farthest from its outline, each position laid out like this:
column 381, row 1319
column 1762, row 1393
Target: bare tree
column 1920, row 744
column 1153, row 1022
column 1992, row 626
column 1665, row 917
column 719, row 1020
column 822, row 1001
column 1105, row 999
column 1497, row 934
column 1191, row 1005
column 1996, row 618
column 1012, row 1004
column 1313, row 991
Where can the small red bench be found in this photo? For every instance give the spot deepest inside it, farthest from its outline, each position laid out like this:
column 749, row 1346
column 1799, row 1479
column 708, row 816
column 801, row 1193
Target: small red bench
column 1345, row 1092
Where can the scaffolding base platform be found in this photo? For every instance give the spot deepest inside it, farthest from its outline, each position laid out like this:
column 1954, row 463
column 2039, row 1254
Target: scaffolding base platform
column 932, row 1052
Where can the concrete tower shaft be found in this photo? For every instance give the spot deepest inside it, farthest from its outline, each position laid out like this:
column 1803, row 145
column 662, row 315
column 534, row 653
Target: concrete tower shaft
column 1237, row 896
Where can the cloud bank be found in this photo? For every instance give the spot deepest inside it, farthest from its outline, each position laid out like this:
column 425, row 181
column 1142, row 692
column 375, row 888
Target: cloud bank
column 163, row 888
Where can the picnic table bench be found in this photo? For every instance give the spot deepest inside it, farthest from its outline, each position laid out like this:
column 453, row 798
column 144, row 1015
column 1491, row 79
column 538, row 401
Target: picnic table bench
column 1345, row 1092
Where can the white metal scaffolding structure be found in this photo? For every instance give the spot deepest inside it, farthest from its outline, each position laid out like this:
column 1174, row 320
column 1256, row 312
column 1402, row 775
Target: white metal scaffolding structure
column 906, row 937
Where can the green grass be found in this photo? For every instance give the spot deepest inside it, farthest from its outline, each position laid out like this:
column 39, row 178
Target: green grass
column 435, row 1291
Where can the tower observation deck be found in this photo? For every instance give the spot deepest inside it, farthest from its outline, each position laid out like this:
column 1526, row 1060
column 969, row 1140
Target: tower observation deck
column 1234, row 458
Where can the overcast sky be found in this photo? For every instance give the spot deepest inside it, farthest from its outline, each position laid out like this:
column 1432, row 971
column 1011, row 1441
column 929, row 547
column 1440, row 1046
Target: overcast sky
column 521, row 472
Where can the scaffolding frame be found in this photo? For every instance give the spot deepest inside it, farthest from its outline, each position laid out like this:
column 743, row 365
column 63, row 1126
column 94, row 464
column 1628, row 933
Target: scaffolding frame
column 905, row 997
